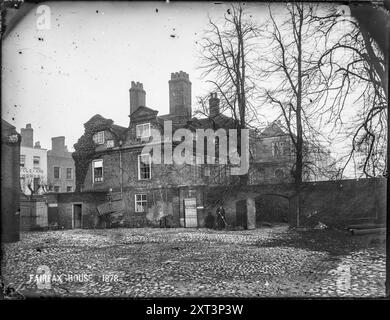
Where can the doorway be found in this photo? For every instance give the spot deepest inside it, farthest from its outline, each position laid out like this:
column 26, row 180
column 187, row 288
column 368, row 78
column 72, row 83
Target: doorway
column 241, row 214
column 77, row 216
column 271, row 209
column 190, row 213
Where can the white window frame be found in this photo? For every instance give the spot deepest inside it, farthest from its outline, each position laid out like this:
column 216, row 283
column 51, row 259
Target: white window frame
column 93, row 170
column 142, row 201
column 141, row 135
column 139, row 166
column 98, row 137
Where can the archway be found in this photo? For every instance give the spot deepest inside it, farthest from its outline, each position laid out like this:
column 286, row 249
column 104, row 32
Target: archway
column 271, row 208
column 241, row 214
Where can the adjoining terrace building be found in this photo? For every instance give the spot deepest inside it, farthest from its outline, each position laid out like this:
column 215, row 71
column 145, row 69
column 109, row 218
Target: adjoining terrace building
column 33, row 163
column 60, row 167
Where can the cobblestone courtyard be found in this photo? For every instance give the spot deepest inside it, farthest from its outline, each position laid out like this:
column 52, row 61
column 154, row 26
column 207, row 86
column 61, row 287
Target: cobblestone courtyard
column 147, row 262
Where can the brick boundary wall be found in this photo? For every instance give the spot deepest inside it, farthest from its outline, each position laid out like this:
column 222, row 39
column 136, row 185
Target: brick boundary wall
column 335, row 203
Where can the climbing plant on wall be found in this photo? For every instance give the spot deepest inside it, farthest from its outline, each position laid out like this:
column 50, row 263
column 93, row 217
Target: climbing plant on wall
column 85, row 147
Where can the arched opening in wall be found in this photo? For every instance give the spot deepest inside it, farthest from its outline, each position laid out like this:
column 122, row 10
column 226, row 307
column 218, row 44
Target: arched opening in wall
column 272, row 209
column 241, row 214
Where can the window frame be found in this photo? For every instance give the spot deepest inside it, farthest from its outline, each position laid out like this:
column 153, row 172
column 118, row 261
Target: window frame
column 110, row 143
column 59, row 172
column 280, row 147
column 139, row 166
column 39, row 162
column 22, row 156
column 93, row 171
column 71, row 173
column 141, row 201
column 142, row 125
column 96, row 137
column 67, row 187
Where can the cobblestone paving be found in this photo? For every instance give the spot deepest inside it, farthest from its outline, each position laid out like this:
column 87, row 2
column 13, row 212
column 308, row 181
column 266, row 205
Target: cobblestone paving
column 149, row 262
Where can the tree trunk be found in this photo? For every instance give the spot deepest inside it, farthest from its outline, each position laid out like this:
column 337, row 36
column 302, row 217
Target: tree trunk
column 299, row 147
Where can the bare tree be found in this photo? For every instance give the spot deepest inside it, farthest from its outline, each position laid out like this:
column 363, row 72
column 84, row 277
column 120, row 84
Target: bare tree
column 293, row 81
column 363, row 68
column 228, row 51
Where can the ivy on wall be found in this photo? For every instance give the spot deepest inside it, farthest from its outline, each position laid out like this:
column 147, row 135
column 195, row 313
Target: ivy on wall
column 85, row 147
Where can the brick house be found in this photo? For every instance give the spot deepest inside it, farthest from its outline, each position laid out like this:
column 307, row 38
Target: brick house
column 109, row 159
column 60, row 167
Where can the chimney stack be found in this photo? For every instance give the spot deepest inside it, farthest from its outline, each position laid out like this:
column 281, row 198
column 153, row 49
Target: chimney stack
column 37, row 145
column 180, row 94
column 137, row 96
column 213, row 105
column 58, row 144
column 27, row 136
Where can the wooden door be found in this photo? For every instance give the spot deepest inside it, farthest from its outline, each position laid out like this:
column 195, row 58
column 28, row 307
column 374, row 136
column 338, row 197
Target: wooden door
column 77, row 216
column 191, row 216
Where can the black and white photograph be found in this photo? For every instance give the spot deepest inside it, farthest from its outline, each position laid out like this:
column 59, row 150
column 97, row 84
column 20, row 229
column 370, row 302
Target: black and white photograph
column 176, row 149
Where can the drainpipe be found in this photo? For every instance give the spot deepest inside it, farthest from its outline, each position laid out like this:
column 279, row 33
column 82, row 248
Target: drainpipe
column 120, row 168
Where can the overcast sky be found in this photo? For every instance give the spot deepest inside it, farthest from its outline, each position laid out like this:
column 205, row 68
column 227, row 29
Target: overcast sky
column 57, row 79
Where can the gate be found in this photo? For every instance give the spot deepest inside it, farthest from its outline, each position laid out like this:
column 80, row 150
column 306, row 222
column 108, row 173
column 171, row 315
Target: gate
column 33, row 215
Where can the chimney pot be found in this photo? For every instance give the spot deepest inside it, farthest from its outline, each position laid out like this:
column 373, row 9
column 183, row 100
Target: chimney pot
column 137, row 96
column 27, row 136
column 58, row 144
column 180, row 94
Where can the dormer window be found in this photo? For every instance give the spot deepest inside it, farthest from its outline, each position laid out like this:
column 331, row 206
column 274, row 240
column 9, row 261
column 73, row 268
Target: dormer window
column 143, row 131
column 98, row 137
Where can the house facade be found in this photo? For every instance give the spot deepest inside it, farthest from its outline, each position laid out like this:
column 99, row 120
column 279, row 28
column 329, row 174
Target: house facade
column 112, row 159
column 33, row 163
column 60, row 167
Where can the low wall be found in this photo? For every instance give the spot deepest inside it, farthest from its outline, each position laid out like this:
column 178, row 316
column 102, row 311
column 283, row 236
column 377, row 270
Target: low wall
column 335, row 203
column 339, row 203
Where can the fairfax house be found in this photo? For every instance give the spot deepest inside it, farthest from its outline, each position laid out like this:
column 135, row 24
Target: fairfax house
column 110, row 165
